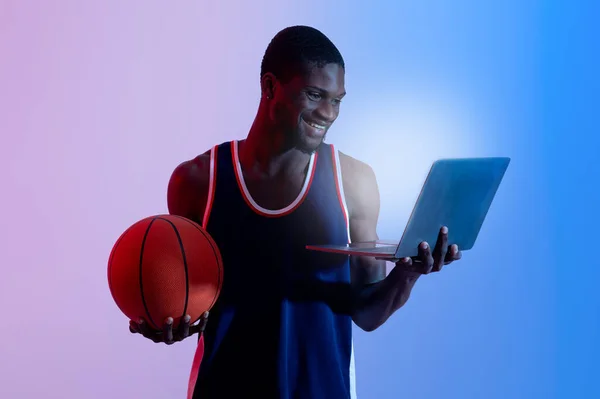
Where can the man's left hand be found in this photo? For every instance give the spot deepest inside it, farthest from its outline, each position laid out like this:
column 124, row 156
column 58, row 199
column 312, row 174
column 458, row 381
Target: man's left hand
column 432, row 261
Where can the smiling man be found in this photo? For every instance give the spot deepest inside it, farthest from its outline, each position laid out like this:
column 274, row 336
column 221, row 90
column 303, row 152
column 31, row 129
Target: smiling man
column 282, row 327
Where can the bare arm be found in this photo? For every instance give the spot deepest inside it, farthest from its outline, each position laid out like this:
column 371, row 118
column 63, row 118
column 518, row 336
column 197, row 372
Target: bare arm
column 376, row 297
column 188, row 188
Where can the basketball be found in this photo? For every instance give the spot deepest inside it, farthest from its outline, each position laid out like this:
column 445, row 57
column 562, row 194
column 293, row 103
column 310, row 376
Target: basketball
column 165, row 266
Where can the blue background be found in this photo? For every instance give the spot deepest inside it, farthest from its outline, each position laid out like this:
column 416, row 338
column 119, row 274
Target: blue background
column 518, row 317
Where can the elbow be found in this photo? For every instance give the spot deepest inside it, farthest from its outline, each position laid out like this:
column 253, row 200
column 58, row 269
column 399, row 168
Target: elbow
column 365, row 324
column 369, row 328
column 367, row 317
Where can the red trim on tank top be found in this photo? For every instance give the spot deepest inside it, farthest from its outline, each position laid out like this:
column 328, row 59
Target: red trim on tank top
column 212, row 184
column 196, row 363
column 250, row 202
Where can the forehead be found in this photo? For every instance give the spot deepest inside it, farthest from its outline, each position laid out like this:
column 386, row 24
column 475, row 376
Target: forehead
column 329, row 78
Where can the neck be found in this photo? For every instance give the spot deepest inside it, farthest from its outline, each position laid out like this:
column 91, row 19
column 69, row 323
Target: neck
column 266, row 151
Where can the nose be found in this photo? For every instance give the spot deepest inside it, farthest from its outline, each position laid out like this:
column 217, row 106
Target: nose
column 327, row 112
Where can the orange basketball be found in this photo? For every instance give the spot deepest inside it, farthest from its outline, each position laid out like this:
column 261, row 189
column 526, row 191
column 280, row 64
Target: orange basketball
column 165, row 266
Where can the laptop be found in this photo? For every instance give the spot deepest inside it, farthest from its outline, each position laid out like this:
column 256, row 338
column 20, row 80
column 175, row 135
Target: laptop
column 457, row 193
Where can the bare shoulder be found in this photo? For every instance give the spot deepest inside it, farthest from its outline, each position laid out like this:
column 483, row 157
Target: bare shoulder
column 188, row 187
column 354, row 165
column 360, row 186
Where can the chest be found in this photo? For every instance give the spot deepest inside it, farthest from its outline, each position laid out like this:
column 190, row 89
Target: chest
column 269, row 251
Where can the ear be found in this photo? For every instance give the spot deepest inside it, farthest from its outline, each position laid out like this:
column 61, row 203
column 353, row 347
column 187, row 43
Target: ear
column 268, row 84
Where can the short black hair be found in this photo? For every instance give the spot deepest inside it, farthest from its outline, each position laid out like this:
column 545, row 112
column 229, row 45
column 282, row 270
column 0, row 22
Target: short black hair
column 295, row 47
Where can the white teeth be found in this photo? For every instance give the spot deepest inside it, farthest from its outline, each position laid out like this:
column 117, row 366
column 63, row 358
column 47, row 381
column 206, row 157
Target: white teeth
column 316, row 126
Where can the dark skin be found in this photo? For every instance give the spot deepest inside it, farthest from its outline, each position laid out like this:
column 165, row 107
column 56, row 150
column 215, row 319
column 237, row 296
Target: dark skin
column 168, row 334
column 378, row 296
column 292, row 121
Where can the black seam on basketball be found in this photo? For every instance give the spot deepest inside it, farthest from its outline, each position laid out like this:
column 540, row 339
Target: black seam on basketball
column 141, row 275
column 210, row 241
column 185, row 267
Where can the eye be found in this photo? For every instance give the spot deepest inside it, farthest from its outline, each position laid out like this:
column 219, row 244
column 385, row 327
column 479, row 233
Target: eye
column 313, row 95
column 337, row 101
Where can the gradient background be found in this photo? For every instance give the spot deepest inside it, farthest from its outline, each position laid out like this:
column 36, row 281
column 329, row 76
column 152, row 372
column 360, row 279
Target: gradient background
column 99, row 101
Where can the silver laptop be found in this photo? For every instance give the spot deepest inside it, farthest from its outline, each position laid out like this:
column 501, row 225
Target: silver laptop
column 457, row 193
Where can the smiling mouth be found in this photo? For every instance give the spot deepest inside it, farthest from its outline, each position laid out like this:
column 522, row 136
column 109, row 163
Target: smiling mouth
column 314, row 125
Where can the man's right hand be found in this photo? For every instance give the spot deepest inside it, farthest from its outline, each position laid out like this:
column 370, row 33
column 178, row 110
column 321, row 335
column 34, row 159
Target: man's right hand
column 169, row 335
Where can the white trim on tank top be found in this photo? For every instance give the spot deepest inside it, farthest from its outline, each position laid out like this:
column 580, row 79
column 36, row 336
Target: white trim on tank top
column 338, row 168
column 246, row 193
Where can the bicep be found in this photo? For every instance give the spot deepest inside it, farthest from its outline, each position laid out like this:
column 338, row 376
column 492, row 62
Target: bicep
column 363, row 202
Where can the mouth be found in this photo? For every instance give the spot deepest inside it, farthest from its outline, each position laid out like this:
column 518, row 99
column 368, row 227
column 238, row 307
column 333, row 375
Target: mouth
column 316, row 128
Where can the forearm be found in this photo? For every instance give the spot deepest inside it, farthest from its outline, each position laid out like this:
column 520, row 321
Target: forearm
column 375, row 303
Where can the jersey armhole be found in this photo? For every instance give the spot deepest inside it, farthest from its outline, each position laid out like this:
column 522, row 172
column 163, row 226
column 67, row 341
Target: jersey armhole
column 337, row 169
column 339, row 183
column 212, row 183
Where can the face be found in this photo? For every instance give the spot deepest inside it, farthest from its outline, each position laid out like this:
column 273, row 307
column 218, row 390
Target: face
column 306, row 106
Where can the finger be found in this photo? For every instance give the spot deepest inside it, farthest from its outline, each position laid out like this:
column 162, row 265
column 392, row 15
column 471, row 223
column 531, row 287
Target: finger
column 452, row 254
column 409, row 266
column 426, row 258
column 406, row 263
column 441, row 248
column 184, row 327
column 203, row 321
column 143, row 328
column 133, row 327
column 452, row 251
column 201, row 326
column 168, row 331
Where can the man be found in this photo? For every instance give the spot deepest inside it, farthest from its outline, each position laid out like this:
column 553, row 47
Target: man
column 282, row 327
